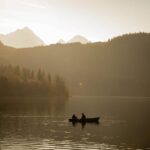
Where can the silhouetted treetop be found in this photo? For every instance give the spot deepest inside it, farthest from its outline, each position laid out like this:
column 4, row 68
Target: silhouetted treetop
column 17, row 81
column 120, row 66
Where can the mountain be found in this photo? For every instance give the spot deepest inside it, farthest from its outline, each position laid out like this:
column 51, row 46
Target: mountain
column 119, row 67
column 78, row 39
column 61, row 41
column 21, row 38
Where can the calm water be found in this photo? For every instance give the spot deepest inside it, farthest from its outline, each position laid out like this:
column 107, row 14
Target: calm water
column 124, row 124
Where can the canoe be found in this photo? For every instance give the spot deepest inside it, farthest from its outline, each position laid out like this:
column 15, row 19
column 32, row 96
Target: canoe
column 87, row 120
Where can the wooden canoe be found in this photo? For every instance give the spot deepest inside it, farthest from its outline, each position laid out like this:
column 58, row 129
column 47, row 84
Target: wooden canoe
column 86, row 120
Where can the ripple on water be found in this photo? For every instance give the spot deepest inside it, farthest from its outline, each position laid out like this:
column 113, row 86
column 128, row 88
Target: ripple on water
column 45, row 144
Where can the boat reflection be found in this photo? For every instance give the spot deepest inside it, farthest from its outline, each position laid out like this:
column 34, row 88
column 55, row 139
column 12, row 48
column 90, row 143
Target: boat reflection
column 83, row 124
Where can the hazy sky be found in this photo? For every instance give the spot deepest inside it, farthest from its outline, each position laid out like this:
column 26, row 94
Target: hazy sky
column 98, row 20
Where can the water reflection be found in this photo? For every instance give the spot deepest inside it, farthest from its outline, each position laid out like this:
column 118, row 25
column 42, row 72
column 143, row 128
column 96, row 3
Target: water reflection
column 32, row 106
column 45, row 125
column 83, row 124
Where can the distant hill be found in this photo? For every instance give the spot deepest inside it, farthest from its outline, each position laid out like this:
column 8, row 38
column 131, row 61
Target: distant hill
column 6, row 51
column 78, row 39
column 61, row 41
column 119, row 67
column 21, row 38
column 75, row 39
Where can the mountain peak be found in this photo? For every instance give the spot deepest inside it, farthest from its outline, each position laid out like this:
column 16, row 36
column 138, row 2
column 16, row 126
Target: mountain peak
column 20, row 38
column 26, row 29
column 61, row 41
column 79, row 39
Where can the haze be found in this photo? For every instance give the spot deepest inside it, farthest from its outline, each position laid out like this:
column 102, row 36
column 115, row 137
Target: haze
column 97, row 20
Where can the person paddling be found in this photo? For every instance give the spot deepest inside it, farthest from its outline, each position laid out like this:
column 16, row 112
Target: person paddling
column 83, row 116
column 74, row 116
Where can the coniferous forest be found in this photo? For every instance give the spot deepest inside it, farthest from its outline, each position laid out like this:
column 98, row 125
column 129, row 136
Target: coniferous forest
column 118, row 67
column 20, row 81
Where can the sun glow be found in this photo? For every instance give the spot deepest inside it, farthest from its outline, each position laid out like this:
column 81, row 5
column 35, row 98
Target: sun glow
column 81, row 84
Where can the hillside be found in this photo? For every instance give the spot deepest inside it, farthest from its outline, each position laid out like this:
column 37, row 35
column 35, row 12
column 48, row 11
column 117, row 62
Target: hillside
column 5, row 53
column 16, row 81
column 119, row 67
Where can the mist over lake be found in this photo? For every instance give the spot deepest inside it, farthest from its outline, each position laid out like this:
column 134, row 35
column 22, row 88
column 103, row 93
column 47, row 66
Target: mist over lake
column 74, row 75
column 124, row 124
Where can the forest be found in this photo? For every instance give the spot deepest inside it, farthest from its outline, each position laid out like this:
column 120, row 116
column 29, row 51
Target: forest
column 21, row 81
column 118, row 67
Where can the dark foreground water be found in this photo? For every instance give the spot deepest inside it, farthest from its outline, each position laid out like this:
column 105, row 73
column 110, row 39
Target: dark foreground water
column 124, row 124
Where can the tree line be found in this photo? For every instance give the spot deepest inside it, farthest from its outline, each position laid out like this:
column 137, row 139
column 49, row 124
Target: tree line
column 21, row 81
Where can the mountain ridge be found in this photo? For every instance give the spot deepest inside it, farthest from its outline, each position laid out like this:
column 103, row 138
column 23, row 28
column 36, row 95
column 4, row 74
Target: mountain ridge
column 78, row 39
column 21, row 38
column 119, row 67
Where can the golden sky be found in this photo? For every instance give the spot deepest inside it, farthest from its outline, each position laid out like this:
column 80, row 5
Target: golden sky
column 98, row 20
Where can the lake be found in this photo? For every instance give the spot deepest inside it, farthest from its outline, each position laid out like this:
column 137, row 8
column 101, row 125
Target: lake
column 124, row 124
